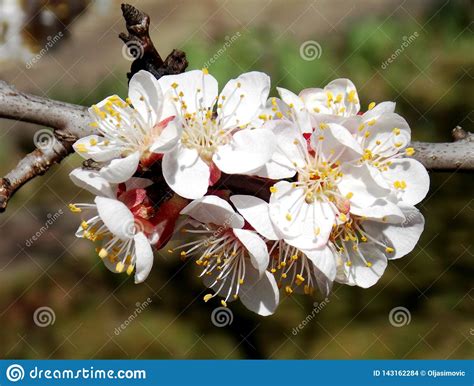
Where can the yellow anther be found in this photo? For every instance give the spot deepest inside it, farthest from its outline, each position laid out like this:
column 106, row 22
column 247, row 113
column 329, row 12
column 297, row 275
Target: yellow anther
column 207, row 297
column 263, row 116
column 338, row 98
column 409, row 151
column 349, row 195
column 279, row 114
column 174, row 85
column 273, row 189
column 371, row 105
column 329, row 96
column 348, row 263
column 224, row 304
column 398, row 144
column 205, row 71
column 351, row 97
column 93, row 141
column 273, row 270
column 130, row 269
column 183, row 253
column 323, row 126
column 93, row 124
column 317, row 231
column 371, row 122
column 367, row 134
column 81, row 148
column 288, row 290
column 342, row 217
column 74, row 209
column 361, row 127
column 294, row 257
column 284, row 275
column 396, row 131
column 363, row 239
column 84, row 225
column 119, row 267
column 288, row 217
column 389, row 250
column 103, row 253
column 369, row 264
column 300, row 278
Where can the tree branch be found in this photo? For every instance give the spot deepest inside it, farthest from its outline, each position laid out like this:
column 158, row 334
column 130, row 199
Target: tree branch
column 70, row 122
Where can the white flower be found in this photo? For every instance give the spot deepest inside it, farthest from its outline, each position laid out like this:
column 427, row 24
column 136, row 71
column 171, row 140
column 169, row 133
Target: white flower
column 218, row 134
column 124, row 236
column 326, row 184
column 129, row 134
column 297, row 269
column 234, row 260
column 382, row 134
column 362, row 246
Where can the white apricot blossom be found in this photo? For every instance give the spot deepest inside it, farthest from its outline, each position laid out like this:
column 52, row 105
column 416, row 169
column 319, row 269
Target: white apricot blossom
column 234, row 260
column 130, row 131
column 124, row 237
column 326, row 183
column 218, row 133
column 363, row 246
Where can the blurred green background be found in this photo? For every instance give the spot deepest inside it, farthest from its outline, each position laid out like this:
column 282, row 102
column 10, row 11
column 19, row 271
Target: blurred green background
column 431, row 81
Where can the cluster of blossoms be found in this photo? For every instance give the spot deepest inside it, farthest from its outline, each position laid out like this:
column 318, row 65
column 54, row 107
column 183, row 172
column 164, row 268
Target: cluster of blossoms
column 335, row 195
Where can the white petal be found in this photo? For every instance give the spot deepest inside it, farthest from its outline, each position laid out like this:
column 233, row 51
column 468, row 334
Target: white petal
column 120, row 170
column 146, row 96
column 257, row 248
column 380, row 209
column 302, row 225
column 92, row 181
column 317, row 225
column 358, row 273
column 324, row 259
column 116, row 217
column 255, row 212
column 168, row 137
column 334, row 141
column 289, row 150
column 213, row 210
column 260, row 294
column 199, row 89
column 414, row 174
column 144, row 257
column 237, row 110
column 298, row 109
column 96, row 147
column 185, row 172
column 383, row 130
column 401, row 237
column 380, row 109
column 358, row 182
column 248, row 151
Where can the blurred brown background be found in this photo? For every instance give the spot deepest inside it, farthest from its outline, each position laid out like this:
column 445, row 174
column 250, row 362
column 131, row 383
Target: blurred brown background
column 431, row 81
